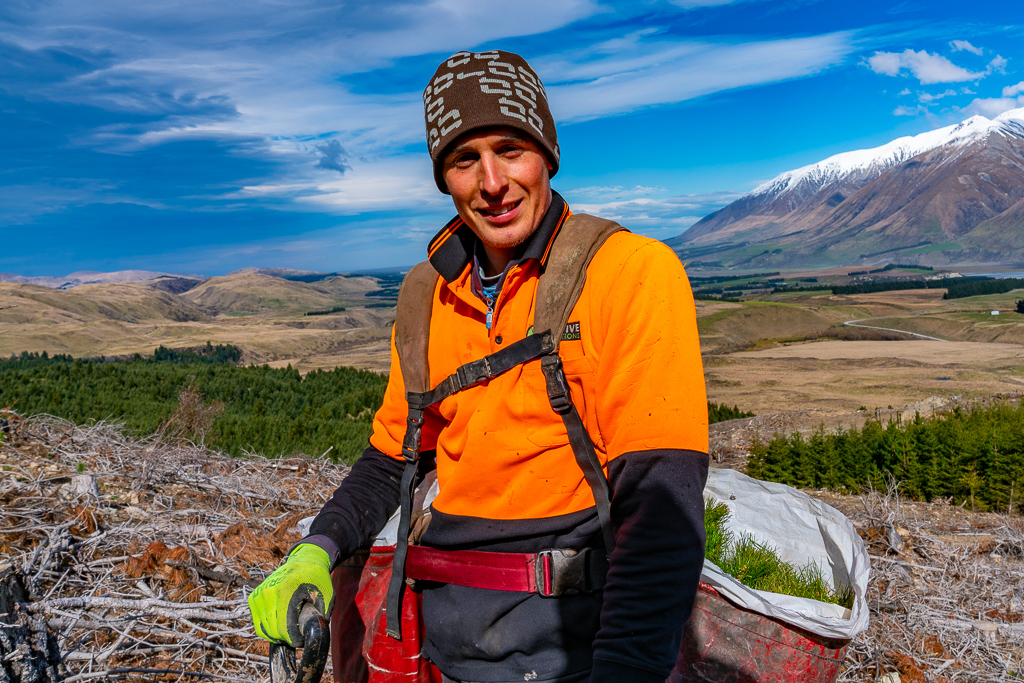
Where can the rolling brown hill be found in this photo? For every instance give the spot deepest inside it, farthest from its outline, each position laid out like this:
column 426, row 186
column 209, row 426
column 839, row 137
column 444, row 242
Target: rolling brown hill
column 249, row 292
column 131, row 302
column 261, row 314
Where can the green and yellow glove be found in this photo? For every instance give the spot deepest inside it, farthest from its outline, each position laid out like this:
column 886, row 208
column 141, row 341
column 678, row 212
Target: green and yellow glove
column 304, row 577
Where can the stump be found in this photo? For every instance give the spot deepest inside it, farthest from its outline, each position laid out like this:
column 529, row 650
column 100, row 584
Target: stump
column 28, row 650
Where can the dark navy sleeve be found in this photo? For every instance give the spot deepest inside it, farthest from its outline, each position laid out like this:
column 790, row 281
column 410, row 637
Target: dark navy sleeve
column 360, row 506
column 658, row 518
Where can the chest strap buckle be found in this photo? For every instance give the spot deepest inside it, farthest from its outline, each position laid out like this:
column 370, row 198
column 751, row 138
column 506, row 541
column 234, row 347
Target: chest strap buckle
column 555, row 382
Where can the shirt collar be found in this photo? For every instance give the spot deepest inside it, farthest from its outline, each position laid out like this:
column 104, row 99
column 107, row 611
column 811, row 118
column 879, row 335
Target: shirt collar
column 452, row 249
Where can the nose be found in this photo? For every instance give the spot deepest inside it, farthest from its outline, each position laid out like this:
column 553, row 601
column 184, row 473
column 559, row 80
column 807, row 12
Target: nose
column 494, row 179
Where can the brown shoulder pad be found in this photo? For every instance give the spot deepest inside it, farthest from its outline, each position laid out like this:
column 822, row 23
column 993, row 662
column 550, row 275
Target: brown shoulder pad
column 412, row 325
column 566, row 270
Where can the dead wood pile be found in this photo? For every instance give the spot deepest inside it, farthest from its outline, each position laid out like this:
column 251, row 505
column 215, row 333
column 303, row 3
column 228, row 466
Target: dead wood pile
column 138, row 555
column 132, row 559
column 945, row 592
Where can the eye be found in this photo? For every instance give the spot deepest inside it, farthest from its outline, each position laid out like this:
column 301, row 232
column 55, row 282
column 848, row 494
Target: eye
column 464, row 159
column 510, row 149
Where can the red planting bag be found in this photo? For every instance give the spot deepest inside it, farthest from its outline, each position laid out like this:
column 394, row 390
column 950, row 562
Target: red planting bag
column 361, row 652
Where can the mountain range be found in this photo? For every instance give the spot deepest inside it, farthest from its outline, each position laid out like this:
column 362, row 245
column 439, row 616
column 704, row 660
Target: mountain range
column 951, row 196
column 174, row 284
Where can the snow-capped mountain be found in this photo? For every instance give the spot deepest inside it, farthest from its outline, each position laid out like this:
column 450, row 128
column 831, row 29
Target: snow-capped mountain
column 916, row 198
column 869, row 163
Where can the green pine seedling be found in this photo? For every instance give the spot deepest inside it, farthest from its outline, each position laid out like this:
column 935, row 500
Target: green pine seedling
column 759, row 567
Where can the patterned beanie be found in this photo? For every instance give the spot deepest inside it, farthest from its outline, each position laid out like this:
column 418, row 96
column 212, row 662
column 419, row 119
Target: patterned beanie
column 473, row 90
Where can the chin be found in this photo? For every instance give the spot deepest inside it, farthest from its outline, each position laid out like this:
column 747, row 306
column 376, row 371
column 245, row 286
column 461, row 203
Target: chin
column 505, row 238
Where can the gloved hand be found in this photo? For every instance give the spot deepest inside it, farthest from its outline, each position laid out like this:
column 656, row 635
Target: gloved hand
column 304, row 577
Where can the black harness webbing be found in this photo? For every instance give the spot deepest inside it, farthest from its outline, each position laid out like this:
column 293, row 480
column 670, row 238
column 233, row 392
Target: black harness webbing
column 523, row 351
column 582, row 446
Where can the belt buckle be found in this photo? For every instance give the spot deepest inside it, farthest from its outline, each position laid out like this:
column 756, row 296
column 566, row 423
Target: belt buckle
column 560, row 571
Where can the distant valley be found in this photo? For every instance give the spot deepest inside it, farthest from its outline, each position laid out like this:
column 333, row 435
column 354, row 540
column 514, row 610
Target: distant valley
column 328, row 320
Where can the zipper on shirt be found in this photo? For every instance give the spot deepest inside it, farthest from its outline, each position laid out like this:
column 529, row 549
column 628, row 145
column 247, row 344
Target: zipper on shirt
column 492, row 304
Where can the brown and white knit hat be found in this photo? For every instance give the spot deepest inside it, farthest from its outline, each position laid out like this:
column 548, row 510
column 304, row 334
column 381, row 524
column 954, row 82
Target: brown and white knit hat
column 478, row 89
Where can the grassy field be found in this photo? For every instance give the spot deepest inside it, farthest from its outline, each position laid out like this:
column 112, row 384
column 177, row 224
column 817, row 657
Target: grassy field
column 767, row 353
column 777, row 358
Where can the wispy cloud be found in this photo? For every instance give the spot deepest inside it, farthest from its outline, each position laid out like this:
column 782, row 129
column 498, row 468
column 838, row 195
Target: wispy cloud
column 613, row 192
column 252, row 67
column 332, row 157
column 592, row 83
column 691, row 4
column 658, row 217
column 393, row 184
column 927, row 67
column 931, row 97
column 1012, row 90
column 904, row 110
column 992, row 107
column 959, row 45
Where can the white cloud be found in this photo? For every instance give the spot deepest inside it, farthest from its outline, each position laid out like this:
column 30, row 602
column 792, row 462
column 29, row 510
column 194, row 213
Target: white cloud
column 886, row 63
column 391, row 184
column 262, row 69
column 926, row 67
column 998, row 64
column 588, row 84
column 690, row 4
column 660, row 218
column 928, row 97
column 905, row 91
column 1012, row 90
column 909, row 111
column 613, row 192
column 959, row 45
column 993, row 106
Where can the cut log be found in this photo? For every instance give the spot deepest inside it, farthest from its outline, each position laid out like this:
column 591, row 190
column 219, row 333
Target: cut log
column 28, row 651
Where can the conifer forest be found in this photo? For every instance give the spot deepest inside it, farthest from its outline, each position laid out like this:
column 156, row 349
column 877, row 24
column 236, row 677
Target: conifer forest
column 204, row 395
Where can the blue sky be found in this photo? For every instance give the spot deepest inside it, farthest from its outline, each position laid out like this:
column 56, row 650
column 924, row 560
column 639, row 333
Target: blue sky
column 196, row 136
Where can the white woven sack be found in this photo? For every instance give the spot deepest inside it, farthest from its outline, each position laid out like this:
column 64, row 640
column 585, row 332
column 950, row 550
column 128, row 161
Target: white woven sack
column 801, row 529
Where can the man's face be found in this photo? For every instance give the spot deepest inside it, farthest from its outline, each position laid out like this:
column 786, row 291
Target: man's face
column 500, row 183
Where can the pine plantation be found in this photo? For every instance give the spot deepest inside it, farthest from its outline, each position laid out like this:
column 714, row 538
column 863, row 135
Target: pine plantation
column 970, row 456
column 202, row 395
column 271, row 411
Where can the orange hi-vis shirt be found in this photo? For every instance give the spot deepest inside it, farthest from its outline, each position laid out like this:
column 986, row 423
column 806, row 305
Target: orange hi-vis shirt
column 630, row 352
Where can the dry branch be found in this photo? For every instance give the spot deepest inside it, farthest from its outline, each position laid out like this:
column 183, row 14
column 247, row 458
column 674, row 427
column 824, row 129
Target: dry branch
column 944, row 607
column 138, row 554
column 146, row 580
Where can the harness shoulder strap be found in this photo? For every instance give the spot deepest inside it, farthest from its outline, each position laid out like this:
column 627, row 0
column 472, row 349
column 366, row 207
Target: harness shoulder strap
column 412, row 337
column 565, row 270
column 559, row 288
column 412, row 325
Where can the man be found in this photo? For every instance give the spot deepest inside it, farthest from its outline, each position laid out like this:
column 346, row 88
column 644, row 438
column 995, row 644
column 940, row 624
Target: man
column 508, row 479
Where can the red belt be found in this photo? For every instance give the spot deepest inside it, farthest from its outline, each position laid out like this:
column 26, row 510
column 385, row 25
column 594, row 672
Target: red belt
column 551, row 573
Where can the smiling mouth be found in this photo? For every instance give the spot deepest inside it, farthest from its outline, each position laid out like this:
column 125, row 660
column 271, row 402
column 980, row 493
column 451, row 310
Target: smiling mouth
column 501, row 210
